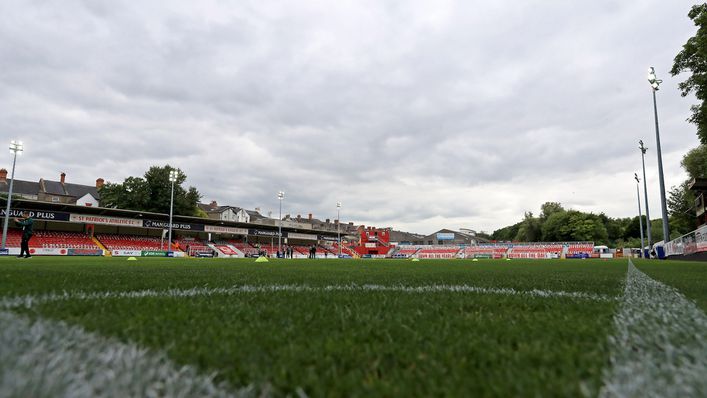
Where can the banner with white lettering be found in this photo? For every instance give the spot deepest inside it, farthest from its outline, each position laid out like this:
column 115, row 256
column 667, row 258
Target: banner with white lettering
column 294, row 235
column 225, row 230
column 184, row 226
column 38, row 214
column 105, row 220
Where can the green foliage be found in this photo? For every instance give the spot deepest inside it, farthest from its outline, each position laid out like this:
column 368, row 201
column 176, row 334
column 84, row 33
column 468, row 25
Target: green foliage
column 529, row 229
column 681, row 209
column 151, row 193
column 549, row 208
column 695, row 162
column 506, row 234
column 556, row 224
column 693, row 58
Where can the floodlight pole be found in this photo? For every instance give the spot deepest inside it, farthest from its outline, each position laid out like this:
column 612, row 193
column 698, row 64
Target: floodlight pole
column 15, row 147
column 640, row 215
column 172, row 179
column 280, row 197
column 645, row 193
column 338, row 225
column 655, row 83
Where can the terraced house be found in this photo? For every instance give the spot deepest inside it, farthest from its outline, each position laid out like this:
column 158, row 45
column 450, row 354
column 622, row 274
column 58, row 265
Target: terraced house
column 53, row 191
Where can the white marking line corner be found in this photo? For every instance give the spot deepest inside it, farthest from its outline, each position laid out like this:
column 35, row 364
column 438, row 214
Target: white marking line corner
column 45, row 358
column 659, row 347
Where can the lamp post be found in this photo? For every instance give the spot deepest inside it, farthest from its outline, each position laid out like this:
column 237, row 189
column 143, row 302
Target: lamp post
column 280, row 197
column 16, row 148
column 338, row 225
column 655, row 83
column 645, row 193
column 172, row 178
column 640, row 215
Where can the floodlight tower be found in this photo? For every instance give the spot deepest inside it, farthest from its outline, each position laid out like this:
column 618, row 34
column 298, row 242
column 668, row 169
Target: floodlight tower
column 640, row 215
column 655, row 83
column 338, row 225
column 280, row 197
column 645, row 193
column 172, row 178
column 16, row 148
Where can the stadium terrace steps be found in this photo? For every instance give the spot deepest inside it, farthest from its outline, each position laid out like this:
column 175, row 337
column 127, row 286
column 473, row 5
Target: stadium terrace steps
column 131, row 242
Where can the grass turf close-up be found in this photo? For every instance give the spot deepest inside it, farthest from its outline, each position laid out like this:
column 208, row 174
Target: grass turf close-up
column 345, row 327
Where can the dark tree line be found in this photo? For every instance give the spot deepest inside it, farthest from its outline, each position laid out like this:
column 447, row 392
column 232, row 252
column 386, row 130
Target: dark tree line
column 557, row 224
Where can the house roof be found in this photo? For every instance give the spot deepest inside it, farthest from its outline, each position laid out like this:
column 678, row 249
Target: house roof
column 52, row 187
column 20, row 187
column 79, row 191
column 254, row 215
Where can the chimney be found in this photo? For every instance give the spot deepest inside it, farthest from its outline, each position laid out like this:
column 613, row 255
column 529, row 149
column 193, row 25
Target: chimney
column 63, row 178
column 327, row 221
column 99, row 183
column 213, row 205
column 310, row 216
column 3, row 175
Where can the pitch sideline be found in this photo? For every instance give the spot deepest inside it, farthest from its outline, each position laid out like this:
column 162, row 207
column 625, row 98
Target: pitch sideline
column 659, row 347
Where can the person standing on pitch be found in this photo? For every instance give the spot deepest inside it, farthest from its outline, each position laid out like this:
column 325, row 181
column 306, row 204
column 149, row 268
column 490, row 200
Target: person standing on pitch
column 26, row 223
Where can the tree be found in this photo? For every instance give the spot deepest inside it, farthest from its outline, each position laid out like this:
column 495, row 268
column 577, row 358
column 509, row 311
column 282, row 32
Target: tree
column 693, row 58
column 552, row 227
column 549, row 208
column 507, row 233
column 681, row 208
column 151, row 193
column 695, row 162
column 529, row 230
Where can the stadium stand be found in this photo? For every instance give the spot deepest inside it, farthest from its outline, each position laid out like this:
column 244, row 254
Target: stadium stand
column 344, row 250
column 580, row 248
column 485, row 251
column 537, row 251
column 14, row 238
column 131, row 242
column 192, row 246
column 64, row 240
column 52, row 240
column 439, row 252
column 405, row 251
column 245, row 248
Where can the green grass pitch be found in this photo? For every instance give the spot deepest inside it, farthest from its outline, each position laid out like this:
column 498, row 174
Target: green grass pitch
column 354, row 327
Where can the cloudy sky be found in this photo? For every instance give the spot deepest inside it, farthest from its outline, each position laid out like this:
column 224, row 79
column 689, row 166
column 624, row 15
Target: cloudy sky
column 418, row 115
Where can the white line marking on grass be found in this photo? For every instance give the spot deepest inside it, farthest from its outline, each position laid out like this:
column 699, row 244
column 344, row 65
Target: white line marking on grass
column 659, row 348
column 30, row 301
column 52, row 359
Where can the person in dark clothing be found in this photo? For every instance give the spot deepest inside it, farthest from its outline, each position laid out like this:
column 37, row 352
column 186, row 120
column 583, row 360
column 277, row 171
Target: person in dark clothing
column 26, row 223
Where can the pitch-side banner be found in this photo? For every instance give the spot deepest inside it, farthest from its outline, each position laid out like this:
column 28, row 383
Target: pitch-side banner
column 225, row 230
column 260, row 232
column 175, row 225
column 38, row 215
column 294, row 235
column 328, row 238
column 105, row 220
